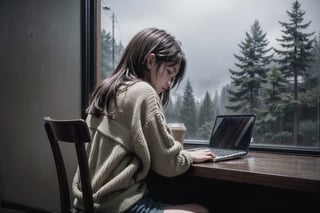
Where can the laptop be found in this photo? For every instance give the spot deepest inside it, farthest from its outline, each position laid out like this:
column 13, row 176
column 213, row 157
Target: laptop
column 231, row 136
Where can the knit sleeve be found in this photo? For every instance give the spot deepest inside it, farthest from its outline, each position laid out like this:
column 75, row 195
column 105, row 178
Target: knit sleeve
column 167, row 155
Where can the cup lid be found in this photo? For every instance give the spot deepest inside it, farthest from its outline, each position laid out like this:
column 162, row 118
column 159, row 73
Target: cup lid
column 177, row 126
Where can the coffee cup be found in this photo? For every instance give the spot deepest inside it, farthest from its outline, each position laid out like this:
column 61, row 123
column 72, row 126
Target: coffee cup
column 178, row 131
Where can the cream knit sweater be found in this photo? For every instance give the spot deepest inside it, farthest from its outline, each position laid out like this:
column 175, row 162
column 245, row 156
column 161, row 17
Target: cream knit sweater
column 126, row 148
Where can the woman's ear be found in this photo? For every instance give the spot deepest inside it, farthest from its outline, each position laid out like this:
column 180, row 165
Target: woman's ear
column 151, row 59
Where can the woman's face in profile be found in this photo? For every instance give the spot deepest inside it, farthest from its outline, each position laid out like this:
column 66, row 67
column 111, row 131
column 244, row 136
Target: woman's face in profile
column 162, row 77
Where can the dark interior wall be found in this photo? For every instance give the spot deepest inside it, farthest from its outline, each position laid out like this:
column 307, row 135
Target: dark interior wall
column 40, row 63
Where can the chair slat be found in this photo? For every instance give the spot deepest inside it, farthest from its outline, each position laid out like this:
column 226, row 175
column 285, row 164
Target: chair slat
column 72, row 131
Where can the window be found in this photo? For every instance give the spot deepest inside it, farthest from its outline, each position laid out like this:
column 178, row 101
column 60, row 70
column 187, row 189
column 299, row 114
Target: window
column 243, row 57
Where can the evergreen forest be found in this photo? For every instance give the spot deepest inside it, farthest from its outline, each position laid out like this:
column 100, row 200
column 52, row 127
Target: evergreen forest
column 280, row 85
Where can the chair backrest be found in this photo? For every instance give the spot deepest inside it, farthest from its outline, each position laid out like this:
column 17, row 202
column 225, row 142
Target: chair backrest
column 72, row 131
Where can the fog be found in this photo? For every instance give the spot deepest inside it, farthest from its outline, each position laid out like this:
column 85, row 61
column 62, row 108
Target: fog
column 210, row 30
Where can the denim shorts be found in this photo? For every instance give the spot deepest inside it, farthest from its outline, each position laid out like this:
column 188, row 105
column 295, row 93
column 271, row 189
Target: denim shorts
column 147, row 205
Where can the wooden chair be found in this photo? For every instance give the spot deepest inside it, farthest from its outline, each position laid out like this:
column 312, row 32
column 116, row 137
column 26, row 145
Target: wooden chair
column 73, row 131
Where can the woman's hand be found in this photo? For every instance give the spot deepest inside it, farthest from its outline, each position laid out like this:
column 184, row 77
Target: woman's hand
column 201, row 155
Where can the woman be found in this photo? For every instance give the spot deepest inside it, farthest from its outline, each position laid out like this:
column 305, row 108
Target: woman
column 129, row 133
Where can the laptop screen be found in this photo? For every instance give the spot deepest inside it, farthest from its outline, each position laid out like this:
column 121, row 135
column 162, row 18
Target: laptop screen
column 232, row 132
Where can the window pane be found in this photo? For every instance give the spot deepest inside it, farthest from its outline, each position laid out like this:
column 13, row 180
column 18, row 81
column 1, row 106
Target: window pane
column 250, row 56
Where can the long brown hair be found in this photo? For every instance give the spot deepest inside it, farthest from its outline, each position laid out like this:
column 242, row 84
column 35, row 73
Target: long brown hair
column 133, row 68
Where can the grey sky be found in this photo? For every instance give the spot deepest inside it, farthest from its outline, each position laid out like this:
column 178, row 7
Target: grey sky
column 210, row 30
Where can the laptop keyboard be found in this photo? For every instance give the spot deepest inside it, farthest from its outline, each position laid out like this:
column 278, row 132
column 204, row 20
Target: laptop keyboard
column 222, row 152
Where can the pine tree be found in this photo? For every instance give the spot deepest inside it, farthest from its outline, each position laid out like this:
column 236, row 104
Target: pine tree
column 106, row 54
column 310, row 101
column 206, row 117
column 177, row 108
column 270, row 121
column 310, row 96
column 295, row 57
column 188, row 111
column 223, row 100
column 315, row 68
column 216, row 103
column 252, row 63
column 169, row 111
column 206, row 110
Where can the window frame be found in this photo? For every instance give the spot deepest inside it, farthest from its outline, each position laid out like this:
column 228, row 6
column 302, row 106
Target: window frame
column 90, row 25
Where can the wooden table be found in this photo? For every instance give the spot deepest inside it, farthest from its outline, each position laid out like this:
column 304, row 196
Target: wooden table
column 295, row 172
column 260, row 181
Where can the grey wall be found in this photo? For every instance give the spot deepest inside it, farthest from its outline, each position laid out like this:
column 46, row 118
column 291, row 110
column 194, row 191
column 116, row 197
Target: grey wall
column 40, row 70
